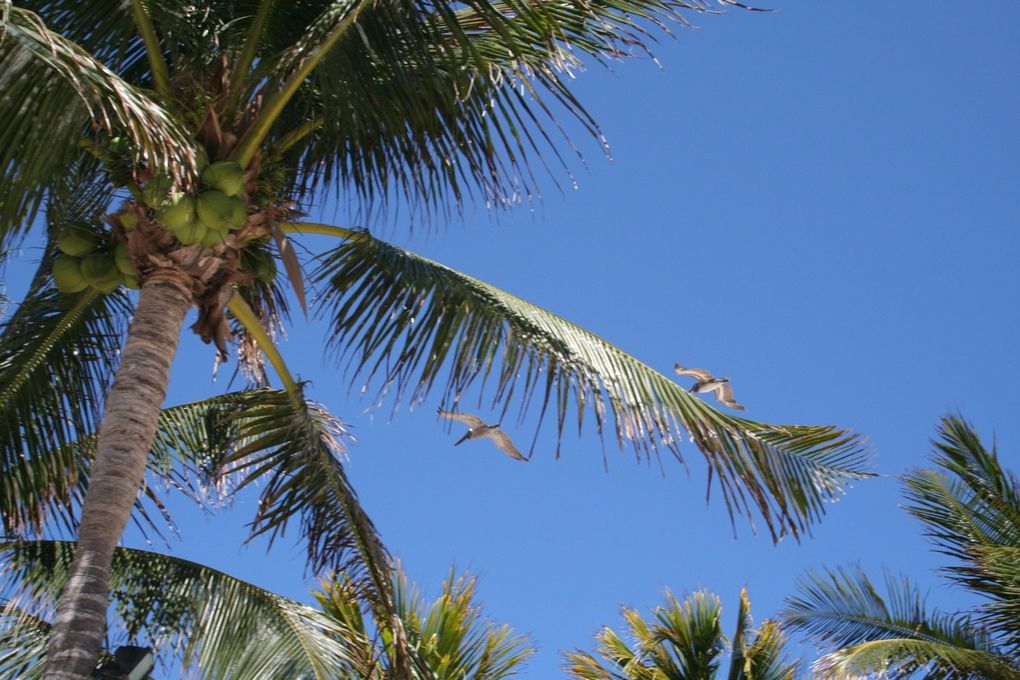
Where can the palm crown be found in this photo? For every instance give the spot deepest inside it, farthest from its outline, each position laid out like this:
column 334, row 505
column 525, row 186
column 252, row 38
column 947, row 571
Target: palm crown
column 970, row 508
column 173, row 146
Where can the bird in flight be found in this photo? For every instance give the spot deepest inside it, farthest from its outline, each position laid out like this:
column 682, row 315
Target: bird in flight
column 706, row 382
column 478, row 428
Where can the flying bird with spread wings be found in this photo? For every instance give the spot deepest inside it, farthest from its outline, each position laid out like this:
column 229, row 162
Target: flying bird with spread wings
column 477, row 429
column 706, row 382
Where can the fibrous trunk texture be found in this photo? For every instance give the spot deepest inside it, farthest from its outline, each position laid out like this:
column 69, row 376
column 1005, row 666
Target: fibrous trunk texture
column 125, row 436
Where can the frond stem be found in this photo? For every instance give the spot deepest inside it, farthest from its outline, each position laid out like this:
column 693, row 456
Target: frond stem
column 244, row 313
column 160, row 72
column 299, row 133
column 251, row 42
column 275, row 102
column 322, row 229
column 43, row 347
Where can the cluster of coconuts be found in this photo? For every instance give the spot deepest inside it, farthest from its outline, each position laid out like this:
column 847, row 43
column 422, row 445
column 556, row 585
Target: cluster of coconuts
column 207, row 218
column 87, row 259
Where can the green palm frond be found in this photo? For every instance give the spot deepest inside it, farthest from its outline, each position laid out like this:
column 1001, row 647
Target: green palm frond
column 54, row 93
column 842, row 607
column 57, row 354
column 765, row 656
column 683, row 641
column 971, row 500
column 208, row 620
column 452, row 637
column 970, row 507
column 406, row 319
column 22, row 642
column 212, row 447
column 462, row 99
column 909, row 657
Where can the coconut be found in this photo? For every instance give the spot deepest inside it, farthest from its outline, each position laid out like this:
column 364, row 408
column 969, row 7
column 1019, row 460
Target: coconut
column 238, row 213
column 217, row 210
column 128, row 220
column 67, row 274
column 192, row 234
column 101, row 272
column 77, row 241
column 131, row 282
column 122, row 259
column 179, row 215
column 227, row 176
column 213, row 237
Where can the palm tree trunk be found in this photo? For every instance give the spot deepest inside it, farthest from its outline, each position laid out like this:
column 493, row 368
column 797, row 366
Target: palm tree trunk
column 125, row 436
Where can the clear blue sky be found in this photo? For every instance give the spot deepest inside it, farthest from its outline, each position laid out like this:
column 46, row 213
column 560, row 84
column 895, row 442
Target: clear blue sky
column 821, row 203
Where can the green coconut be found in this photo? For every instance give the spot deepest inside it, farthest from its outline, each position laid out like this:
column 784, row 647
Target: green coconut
column 213, row 237
column 238, row 213
column 217, row 210
column 192, row 234
column 77, row 242
column 101, row 272
column 226, row 176
column 128, row 220
column 131, row 282
column 178, row 215
column 67, row 274
column 122, row 259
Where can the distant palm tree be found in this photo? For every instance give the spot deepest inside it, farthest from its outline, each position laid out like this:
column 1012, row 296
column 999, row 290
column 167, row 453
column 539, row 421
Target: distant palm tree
column 450, row 637
column 686, row 642
column 970, row 508
column 177, row 140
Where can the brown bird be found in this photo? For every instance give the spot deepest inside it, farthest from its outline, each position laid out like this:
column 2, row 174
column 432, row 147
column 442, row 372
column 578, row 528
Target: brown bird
column 477, row 428
column 706, row 382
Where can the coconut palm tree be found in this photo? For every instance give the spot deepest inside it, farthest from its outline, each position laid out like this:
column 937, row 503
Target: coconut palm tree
column 686, row 642
column 176, row 143
column 450, row 635
column 970, row 509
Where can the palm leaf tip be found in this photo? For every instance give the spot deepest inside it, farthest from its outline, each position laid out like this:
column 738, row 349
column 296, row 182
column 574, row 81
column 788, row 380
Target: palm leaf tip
column 406, row 320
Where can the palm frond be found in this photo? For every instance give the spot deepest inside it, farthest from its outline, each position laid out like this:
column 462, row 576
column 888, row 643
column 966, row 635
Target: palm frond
column 905, row 657
column 972, row 500
column 970, row 508
column 22, row 642
column 842, row 607
column 54, row 93
column 404, row 318
column 460, row 98
column 210, row 621
column 684, row 640
column 57, row 354
column 766, row 657
column 452, row 637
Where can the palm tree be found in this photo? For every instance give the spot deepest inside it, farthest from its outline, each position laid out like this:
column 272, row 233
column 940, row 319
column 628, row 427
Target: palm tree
column 178, row 141
column 970, row 508
column 685, row 642
column 449, row 635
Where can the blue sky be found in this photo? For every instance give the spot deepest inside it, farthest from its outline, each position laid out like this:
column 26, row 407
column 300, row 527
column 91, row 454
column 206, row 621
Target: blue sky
column 820, row 203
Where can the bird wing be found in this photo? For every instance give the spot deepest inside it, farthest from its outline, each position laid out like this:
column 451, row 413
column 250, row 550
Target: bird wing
column 724, row 393
column 701, row 374
column 503, row 443
column 466, row 418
